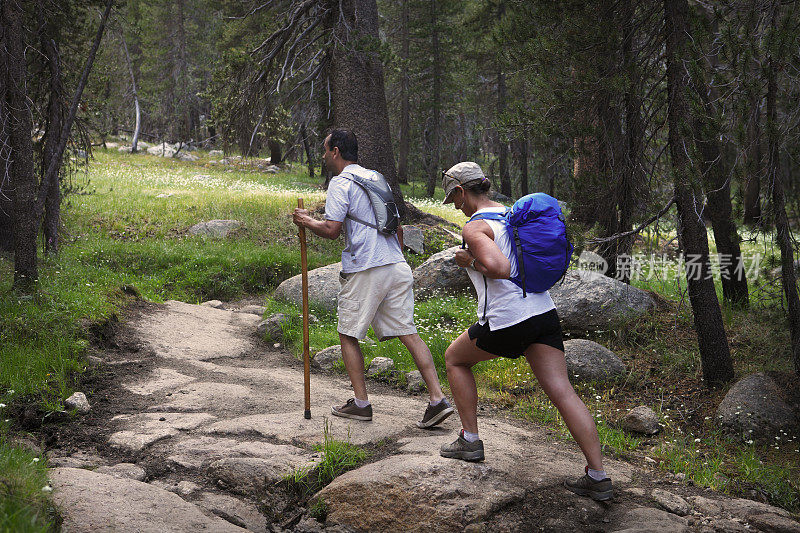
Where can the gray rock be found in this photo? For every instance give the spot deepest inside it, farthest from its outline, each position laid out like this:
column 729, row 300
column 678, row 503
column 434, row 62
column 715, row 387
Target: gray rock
column 89, row 502
column 758, row 407
column 437, row 494
column 380, row 366
column 252, row 476
column 272, row 327
column 413, row 239
column 215, row 228
column 235, row 511
column 76, row 460
column 165, row 150
column 253, row 309
column 216, row 153
column 641, row 419
column 185, row 488
column 649, row 519
column 326, row 359
column 123, row 471
column 78, row 402
column 323, row 287
column 216, row 304
column 593, row 262
column 737, row 507
column 272, row 169
column 774, row 523
column 183, row 155
column 499, row 197
column 671, row 502
column 308, row 525
column 440, row 275
column 414, row 381
column 125, row 149
column 590, row 361
column 588, row 301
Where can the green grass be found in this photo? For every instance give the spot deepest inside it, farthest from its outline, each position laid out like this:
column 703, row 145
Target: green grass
column 337, row 458
column 24, row 507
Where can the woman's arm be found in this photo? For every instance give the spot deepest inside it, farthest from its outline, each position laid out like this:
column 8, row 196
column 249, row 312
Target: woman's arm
column 488, row 259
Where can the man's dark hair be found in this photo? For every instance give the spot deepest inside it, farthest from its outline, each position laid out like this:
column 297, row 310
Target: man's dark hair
column 347, row 143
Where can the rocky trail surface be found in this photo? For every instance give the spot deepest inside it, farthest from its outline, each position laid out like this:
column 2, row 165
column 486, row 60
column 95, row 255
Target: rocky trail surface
column 196, row 423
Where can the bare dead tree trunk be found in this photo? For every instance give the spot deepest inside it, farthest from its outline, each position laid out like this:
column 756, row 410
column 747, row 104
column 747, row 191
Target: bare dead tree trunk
column 307, row 149
column 405, row 108
column 137, row 128
column 788, row 277
column 55, row 112
column 714, row 351
column 358, row 94
column 23, row 178
column 433, row 171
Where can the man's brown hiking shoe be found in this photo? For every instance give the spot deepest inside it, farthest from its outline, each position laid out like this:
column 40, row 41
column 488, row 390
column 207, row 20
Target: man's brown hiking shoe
column 435, row 414
column 586, row 486
column 461, row 449
column 351, row 410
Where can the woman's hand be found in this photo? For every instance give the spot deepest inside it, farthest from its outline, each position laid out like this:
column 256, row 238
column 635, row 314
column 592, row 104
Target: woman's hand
column 490, row 260
column 464, row 258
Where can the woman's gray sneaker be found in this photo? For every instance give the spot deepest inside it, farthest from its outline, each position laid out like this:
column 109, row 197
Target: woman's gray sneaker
column 351, row 410
column 586, row 486
column 435, row 414
column 461, row 449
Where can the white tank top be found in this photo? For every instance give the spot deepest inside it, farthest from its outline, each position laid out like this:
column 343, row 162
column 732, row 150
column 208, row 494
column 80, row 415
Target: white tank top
column 506, row 306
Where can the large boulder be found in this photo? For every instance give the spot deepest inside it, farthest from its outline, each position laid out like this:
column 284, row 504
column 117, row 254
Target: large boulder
column 92, row 502
column 589, row 361
column 762, row 405
column 326, row 359
column 163, row 150
column 434, row 494
column 323, row 287
column 413, row 239
column 441, row 275
column 588, row 300
column 215, row 228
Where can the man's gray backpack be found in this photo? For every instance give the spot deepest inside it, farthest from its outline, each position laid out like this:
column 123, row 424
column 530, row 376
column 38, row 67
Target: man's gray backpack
column 387, row 216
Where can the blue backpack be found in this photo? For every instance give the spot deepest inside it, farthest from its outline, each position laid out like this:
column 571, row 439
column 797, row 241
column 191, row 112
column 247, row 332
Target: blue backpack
column 539, row 237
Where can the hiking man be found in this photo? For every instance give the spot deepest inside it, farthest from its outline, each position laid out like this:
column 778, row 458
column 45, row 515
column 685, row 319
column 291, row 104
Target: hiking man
column 510, row 324
column 376, row 282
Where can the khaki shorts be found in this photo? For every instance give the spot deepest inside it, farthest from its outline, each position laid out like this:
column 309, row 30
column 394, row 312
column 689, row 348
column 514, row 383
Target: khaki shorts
column 381, row 296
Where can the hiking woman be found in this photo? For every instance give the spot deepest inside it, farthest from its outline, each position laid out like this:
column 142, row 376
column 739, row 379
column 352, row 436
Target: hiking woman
column 509, row 326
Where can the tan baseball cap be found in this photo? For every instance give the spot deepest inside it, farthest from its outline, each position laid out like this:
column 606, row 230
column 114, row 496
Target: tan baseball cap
column 460, row 174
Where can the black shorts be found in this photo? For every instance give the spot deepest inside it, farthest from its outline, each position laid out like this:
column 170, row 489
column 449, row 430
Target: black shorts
column 512, row 341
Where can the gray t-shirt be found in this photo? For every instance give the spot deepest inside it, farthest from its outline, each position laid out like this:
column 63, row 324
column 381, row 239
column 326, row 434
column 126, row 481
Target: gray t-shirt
column 366, row 246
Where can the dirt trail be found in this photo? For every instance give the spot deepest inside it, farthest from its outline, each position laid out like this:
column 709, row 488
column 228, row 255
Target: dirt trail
column 196, row 422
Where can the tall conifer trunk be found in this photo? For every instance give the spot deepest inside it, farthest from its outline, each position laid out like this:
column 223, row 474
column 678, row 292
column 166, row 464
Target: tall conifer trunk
column 358, row 95
column 714, row 351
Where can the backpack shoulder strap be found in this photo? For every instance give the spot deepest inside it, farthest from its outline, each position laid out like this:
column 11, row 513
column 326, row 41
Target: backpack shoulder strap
column 348, row 176
column 488, row 216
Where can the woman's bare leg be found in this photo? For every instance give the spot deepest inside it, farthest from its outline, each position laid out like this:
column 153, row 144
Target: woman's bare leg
column 460, row 357
column 550, row 368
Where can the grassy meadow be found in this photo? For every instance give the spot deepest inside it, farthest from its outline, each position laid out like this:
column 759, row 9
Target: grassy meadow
column 126, row 230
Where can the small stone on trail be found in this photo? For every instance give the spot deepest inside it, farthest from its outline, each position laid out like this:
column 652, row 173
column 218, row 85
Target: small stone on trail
column 78, row 402
column 671, row 502
column 380, row 365
column 415, row 381
column 326, row 359
column 253, row 309
column 123, row 471
column 216, row 304
column 185, row 488
column 641, row 419
column 276, row 345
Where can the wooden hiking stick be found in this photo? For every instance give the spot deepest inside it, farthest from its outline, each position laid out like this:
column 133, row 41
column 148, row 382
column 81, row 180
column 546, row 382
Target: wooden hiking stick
column 306, row 357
